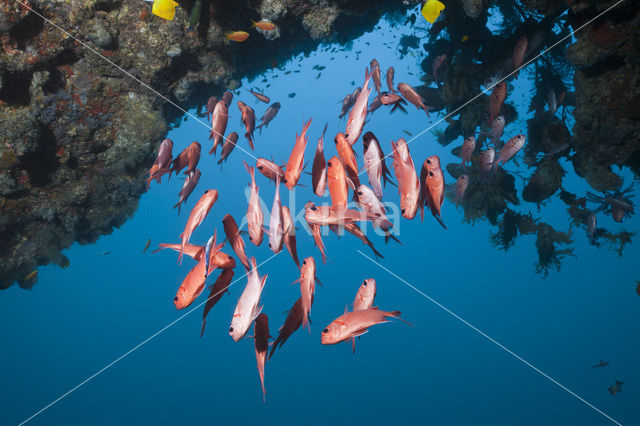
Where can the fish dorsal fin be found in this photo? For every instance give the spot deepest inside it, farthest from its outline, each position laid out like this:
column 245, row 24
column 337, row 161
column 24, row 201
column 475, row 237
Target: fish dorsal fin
column 264, row 280
column 346, row 309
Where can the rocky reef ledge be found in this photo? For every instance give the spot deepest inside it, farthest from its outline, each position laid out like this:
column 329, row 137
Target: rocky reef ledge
column 77, row 134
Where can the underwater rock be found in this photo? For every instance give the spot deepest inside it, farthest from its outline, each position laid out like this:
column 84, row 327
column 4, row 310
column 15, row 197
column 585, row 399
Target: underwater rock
column 546, row 180
column 607, row 86
column 77, row 135
column 473, row 8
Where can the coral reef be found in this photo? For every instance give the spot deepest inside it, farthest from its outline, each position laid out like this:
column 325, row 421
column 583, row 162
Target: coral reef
column 77, row 134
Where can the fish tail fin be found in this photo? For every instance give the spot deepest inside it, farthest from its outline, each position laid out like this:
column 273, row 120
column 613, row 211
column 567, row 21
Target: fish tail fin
column 377, row 254
column 388, row 236
column 353, row 344
column 220, row 160
column 396, row 315
column 250, row 139
column 439, row 219
column 202, row 329
column 178, row 206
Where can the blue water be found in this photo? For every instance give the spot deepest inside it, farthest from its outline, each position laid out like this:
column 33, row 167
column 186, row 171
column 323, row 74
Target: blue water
column 76, row 321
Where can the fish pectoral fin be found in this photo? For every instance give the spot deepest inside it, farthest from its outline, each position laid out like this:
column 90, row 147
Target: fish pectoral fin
column 359, row 333
column 257, row 313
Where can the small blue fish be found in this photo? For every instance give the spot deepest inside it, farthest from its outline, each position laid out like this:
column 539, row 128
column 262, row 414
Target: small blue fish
column 207, row 253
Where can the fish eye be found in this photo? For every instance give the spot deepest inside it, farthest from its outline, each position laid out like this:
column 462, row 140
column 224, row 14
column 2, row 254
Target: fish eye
column 314, row 208
column 269, row 245
column 364, row 283
column 430, row 173
column 259, row 167
column 175, row 298
column 428, row 161
column 359, row 192
column 325, row 331
column 346, row 135
column 250, row 239
column 329, row 163
column 304, row 262
column 402, row 211
column 230, row 329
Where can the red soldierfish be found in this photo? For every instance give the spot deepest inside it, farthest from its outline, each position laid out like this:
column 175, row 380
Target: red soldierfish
column 188, row 187
column 227, row 97
column 519, row 53
column 390, row 99
column 276, row 230
column 348, row 157
column 233, row 236
column 496, row 99
column 358, row 113
column 510, row 149
column 218, row 124
column 249, row 120
column 432, row 188
column 337, row 180
column 260, row 96
column 211, row 105
column 255, row 218
column 217, row 290
column 319, row 170
column 248, row 309
column 162, row 163
column 375, row 71
column 437, row 64
column 373, row 206
column 374, row 163
column 191, row 250
column 390, row 73
column 291, row 324
column 354, row 324
column 408, row 183
column 190, row 156
column 290, row 235
column 228, row 146
column 269, row 169
column 296, row 159
column 461, row 186
column 486, row 160
column 410, row 94
column 197, row 216
column 261, row 341
column 307, row 282
column 497, row 128
column 468, row 147
column 269, row 115
column 193, row 283
column 365, row 296
column 327, row 215
column 347, row 103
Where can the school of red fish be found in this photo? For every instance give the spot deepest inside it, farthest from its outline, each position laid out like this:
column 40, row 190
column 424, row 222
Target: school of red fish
column 339, row 176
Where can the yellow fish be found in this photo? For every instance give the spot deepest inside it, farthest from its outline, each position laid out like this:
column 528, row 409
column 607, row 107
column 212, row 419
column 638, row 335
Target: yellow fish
column 432, row 9
column 464, row 38
column 263, row 25
column 237, row 35
column 166, row 9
